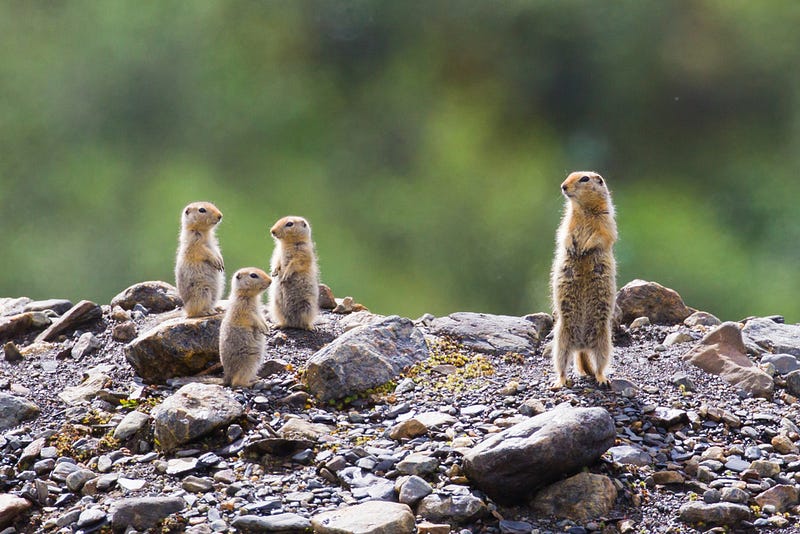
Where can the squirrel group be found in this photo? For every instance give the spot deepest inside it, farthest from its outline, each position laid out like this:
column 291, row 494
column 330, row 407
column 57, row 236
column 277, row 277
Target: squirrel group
column 293, row 283
column 583, row 282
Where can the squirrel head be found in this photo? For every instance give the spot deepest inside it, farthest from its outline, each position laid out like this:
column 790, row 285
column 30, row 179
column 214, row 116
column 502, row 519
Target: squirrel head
column 587, row 190
column 200, row 216
column 250, row 281
column 291, row 229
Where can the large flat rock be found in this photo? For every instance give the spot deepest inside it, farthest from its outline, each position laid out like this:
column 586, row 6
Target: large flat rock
column 774, row 337
column 512, row 465
column 494, row 334
column 364, row 358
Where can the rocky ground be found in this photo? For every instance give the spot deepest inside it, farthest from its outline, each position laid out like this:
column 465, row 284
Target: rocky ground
column 449, row 423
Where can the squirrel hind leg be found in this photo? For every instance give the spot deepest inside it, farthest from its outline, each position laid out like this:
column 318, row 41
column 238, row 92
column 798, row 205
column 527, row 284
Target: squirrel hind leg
column 561, row 360
column 583, row 363
column 602, row 359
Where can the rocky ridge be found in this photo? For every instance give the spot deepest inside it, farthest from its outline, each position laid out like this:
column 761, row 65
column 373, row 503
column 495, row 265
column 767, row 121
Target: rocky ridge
column 113, row 417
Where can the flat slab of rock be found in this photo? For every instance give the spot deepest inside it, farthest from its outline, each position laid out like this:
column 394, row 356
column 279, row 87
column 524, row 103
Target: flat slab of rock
column 94, row 381
column 143, row 512
column 10, row 507
column 194, row 411
column 371, row 517
column 512, row 465
column 774, row 337
column 154, row 295
column 365, row 358
column 83, row 312
column 494, row 334
column 17, row 325
column 286, row 522
column 458, row 508
column 722, row 352
column 177, row 347
column 14, row 410
column 660, row 304
column 580, row 498
column 721, row 513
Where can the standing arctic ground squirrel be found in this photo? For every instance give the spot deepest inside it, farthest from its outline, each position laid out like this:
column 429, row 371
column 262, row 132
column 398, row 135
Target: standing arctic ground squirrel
column 242, row 334
column 199, row 269
column 584, row 278
column 294, row 293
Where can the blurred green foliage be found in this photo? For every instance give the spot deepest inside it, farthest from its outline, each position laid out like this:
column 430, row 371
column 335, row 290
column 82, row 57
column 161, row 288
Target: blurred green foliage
column 425, row 142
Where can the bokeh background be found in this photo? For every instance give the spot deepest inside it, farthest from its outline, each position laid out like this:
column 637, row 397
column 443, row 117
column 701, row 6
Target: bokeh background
column 424, row 140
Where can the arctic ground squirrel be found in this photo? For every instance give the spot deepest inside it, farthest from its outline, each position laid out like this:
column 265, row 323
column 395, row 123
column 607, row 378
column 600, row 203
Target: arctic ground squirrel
column 294, row 293
column 242, row 334
column 584, row 279
column 199, row 269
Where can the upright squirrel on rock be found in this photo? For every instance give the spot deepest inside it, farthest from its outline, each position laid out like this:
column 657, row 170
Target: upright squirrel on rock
column 584, row 279
column 294, row 293
column 199, row 269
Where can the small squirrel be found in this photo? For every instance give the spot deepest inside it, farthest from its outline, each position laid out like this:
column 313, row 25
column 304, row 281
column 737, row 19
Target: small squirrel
column 242, row 334
column 584, row 279
column 199, row 269
column 294, row 293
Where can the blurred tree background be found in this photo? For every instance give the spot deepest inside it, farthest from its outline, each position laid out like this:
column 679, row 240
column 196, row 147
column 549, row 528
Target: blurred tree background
column 425, row 141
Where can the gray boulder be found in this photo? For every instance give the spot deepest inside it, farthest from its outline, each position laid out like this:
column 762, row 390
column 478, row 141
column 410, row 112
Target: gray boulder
column 660, row 304
column 13, row 305
column 364, row 358
column 178, row 347
column 130, row 425
column 156, row 296
column 10, row 507
column 458, row 508
column 143, row 512
column 772, row 336
column 371, row 517
column 14, row 410
column 722, row 352
column 494, row 334
column 512, row 465
column 82, row 313
column 580, row 498
column 194, row 411
column 57, row 306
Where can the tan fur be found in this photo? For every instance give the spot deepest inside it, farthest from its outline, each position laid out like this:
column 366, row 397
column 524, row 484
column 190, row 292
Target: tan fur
column 199, row 269
column 294, row 293
column 243, row 329
column 584, row 279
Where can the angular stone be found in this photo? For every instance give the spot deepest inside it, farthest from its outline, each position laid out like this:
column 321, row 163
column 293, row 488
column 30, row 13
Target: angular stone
column 143, row 512
column 669, row 417
column 13, row 305
column 194, row 484
column 458, row 508
column 418, row 464
column 784, row 445
column 131, row 484
column 85, row 345
column 660, row 304
column 20, row 324
column 31, row 452
column 579, row 498
column 701, row 318
column 77, row 479
column 156, row 296
column 436, row 419
column 57, row 306
column 124, row 332
column 14, row 410
column 676, row 338
column 285, row 522
column 83, row 312
column 364, row 358
column 11, row 506
column 784, row 363
column 720, row 513
column 491, row 334
column 774, row 337
column 722, row 352
column 426, row 527
column 413, row 490
column 408, row 429
column 782, row 497
column 626, row 454
column 371, row 517
column 513, row 464
column 664, row 478
column 300, row 429
column 178, row 347
column 94, row 380
column 130, row 425
column 194, row 411
column 326, row 299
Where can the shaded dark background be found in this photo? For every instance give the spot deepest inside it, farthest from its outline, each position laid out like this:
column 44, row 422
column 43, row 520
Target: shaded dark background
column 425, row 142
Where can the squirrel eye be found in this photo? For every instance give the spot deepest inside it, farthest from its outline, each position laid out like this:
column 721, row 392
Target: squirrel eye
column 584, row 179
column 288, row 224
column 202, row 210
column 253, row 275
